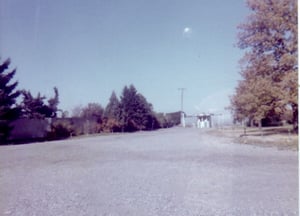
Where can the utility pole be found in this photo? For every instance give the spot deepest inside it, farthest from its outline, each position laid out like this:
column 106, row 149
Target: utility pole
column 182, row 120
column 182, row 90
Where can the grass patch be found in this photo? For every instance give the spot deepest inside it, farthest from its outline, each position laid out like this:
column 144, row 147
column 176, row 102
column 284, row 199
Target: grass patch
column 279, row 137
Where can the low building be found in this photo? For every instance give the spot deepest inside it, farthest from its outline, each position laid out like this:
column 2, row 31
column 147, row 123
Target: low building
column 204, row 120
column 199, row 121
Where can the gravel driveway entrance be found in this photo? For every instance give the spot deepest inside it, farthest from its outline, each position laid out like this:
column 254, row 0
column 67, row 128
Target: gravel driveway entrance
column 175, row 172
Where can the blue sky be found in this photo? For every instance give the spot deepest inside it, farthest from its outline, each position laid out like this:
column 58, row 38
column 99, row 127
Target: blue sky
column 90, row 48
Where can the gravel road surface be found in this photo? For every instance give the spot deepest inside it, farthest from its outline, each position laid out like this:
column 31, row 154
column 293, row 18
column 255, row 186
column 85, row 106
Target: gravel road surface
column 171, row 172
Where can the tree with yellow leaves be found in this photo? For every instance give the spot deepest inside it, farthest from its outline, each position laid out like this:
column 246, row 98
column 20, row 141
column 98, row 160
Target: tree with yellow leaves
column 269, row 68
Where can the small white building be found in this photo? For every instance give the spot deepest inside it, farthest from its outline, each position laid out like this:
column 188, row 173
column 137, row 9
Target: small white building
column 197, row 121
column 204, row 121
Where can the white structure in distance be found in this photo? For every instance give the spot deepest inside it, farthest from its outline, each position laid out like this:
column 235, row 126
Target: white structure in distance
column 182, row 119
column 204, row 121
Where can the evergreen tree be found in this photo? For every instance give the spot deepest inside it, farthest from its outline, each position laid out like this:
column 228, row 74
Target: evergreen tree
column 127, row 105
column 112, row 114
column 8, row 95
column 32, row 107
column 270, row 67
column 112, row 110
column 146, row 118
column 53, row 103
column 35, row 107
column 136, row 112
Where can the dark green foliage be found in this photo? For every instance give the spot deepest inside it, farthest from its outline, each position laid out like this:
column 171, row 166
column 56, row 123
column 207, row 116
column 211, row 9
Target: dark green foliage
column 8, row 95
column 67, row 127
column 112, row 110
column 167, row 120
column 61, row 129
column 35, row 107
column 112, row 115
column 136, row 112
column 111, row 125
column 131, row 113
column 53, row 103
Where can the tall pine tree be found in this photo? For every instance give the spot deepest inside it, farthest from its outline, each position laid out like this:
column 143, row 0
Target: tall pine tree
column 112, row 114
column 36, row 108
column 136, row 112
column 112, row 110
column 8, row 95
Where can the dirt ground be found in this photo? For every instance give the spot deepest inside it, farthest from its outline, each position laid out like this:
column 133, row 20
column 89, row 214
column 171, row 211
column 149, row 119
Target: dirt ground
column 171, row 172
column 279, row 137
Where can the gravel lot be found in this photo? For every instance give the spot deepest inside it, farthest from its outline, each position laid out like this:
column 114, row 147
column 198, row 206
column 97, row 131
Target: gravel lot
column 175, row 172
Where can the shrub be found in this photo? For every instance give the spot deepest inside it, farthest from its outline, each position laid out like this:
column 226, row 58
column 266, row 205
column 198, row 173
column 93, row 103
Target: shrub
column 61, row 130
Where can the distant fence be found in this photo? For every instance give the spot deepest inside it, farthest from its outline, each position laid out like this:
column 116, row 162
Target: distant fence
column 173, row 118
column 26, row 130
column 78, row 126
column 29, row 129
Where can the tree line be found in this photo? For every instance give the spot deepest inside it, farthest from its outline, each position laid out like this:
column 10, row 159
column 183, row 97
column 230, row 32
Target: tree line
column 129, row 113
column 268, row 89
column 30, row 107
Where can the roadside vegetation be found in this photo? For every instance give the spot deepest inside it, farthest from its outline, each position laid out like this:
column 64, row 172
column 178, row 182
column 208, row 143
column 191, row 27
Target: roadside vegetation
column 26, row 118
column 267, row 94
column 265, row 102
column 280, row 137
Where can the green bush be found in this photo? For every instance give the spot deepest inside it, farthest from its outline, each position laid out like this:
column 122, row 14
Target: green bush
column 61, row 130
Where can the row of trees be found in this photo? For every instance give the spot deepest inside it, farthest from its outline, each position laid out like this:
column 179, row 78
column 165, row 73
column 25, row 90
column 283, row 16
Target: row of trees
column 269, row 68
column 131, row 112
column 8, row 109
column 35, row 107
column 28, row 107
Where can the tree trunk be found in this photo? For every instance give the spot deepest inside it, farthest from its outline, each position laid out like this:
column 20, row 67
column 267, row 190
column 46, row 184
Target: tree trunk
column 252, row 122
column 245, row 127
column 295, row 118
column 260, row 127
